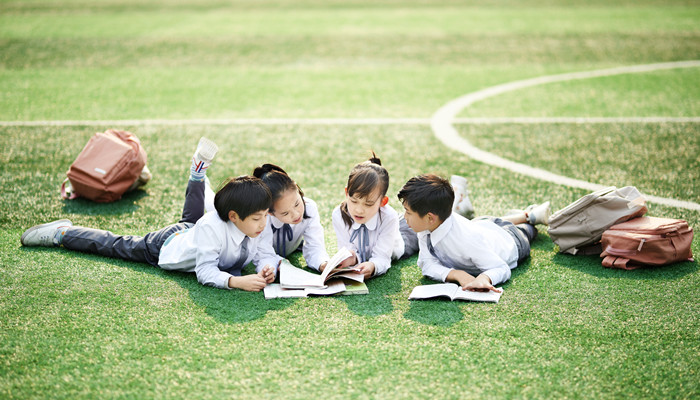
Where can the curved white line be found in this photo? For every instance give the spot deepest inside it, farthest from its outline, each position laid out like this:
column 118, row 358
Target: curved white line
column 441, row 124
column 353, row 121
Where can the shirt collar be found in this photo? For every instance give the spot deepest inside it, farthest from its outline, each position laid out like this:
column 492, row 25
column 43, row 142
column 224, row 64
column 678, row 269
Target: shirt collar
column 276, row 223
column 441, row 231
column 236, row 233
column 371, row 224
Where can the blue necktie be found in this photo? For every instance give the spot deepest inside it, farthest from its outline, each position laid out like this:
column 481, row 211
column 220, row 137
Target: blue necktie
column 240, row 263
column 431, row 249
column 283, row 235
column 362, row 234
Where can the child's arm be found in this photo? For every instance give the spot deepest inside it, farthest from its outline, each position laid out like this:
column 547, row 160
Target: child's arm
column 481, row 283
column 266, row 261
column 251, row 283
column 314, row 248
column 387, row 232
column 429, row 264
column 209, row 243
column 367, row 269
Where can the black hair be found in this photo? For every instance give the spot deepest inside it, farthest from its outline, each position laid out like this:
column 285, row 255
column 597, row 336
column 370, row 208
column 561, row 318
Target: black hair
column 364, row 180
column 245, row 195
column 428, row 193
column 277, row 180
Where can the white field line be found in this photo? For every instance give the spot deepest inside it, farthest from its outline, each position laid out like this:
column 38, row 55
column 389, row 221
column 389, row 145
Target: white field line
column 355, row 121
column 442, row 126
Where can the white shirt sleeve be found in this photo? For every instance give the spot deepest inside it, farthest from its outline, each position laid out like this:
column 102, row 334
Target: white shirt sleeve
column 265, row 253
column 384, row 246
column 314, row 248
column 210, row 244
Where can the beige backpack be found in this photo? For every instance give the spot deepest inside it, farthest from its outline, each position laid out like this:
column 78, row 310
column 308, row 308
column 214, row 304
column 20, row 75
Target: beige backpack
column 577, row 228
column 110, row 164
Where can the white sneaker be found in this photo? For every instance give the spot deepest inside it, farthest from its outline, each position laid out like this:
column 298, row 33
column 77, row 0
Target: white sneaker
column 206, row 150
column 538, row 214
column 44, row 234
column 462, row 205
column 142, row 179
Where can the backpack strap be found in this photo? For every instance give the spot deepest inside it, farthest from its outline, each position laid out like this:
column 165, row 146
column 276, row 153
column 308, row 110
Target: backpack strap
column 67, row 190
column 618, row 262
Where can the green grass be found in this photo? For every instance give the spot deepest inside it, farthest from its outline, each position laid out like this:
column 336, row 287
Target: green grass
column 82, row 326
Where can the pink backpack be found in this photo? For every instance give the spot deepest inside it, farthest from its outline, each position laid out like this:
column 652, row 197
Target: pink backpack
column 109, row 165
column 646, row 241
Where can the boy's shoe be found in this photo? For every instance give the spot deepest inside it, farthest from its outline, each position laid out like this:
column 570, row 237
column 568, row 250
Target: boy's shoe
column 461, row 205
column 206, row 150
column 538, row 214
column 202, row 158
column 44, row 234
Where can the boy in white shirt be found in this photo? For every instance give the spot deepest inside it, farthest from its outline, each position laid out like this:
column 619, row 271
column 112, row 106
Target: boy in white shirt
column 476, row 254
column 216, row 246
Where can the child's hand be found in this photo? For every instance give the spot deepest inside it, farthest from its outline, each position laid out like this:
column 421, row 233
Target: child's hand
column 366, row 269
column 349, row 262
column 250, row 283
column 482, row 283
column 268, row 274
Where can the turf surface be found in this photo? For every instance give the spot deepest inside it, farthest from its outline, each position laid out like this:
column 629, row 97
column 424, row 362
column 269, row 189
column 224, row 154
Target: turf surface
column 81, row 326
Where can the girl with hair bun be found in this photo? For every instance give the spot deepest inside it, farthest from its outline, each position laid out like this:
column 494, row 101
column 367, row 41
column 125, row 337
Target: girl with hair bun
column 293, row 219
column 365, row 224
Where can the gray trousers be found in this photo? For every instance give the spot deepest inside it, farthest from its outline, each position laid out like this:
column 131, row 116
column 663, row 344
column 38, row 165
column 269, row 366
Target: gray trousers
column 523, row 234
column 144, row 249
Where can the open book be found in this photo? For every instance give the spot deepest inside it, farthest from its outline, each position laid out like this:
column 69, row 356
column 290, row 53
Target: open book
column 292, row 277
column 275, row 290
column 453, row 292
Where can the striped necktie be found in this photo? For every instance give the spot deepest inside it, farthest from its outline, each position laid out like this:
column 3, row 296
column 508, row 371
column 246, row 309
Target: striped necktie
column 282, row 236
column 362, row 234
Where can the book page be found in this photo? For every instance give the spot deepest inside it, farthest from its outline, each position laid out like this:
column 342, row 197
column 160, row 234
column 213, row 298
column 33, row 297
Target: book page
column 275, row 290
column 293, row 277
column 429, row 291
column 489, row 296
column 333, row 288
column 341, row 255
column 353, row 276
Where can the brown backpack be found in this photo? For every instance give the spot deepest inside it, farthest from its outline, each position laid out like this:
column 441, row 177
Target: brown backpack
column 647, row 241
column 106, row 168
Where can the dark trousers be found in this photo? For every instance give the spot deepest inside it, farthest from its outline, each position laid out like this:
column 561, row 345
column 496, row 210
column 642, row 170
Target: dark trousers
column 136, row 248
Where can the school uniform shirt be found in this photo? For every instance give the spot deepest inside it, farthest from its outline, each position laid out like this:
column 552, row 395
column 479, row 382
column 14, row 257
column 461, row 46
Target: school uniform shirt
column 385, row 241
column 478, row 246
column 309, row 231
column 212, row 247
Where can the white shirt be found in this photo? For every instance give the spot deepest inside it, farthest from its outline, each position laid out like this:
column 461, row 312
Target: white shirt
column 385, row 241
column 476, row 247
column 309, row 230
column 212, row 246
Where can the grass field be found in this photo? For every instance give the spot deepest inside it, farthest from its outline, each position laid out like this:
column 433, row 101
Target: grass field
column 82, row 326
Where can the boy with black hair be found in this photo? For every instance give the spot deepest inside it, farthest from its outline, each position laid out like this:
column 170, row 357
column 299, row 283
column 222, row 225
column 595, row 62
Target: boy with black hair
column 216, row 246
column 476, row 254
